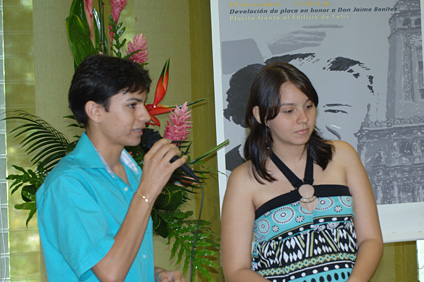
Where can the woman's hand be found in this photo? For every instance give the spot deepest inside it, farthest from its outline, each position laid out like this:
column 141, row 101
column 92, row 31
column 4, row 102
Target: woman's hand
column 157, row 168
column 162, row 275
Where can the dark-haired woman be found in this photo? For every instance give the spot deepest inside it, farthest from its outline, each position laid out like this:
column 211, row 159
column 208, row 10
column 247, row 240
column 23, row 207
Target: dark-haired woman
column 308, row 201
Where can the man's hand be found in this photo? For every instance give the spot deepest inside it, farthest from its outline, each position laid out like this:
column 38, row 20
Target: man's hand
column 162, row 275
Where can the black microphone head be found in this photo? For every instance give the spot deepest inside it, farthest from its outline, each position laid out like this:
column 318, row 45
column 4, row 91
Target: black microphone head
column 149, row 137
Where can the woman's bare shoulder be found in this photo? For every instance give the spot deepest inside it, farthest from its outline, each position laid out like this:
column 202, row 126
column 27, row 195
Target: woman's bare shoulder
column 343, row 150
column 345, row 157
column 240, row 190
column 243, row 173
column 242, row 178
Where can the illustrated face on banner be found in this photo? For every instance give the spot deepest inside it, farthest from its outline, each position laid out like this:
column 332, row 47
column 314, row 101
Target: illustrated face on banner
column 344, row 102
column 345, row 91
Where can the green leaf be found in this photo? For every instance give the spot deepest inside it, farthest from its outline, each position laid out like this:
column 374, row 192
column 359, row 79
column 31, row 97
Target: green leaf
column 79, row 32
column 77, row 9
column 211, row 151
column 28, row 183
column 27, row 206
column 171, row 198
column 79, row 39
column 28, row 193
column 118, row 31
column 99, row 30
column 160, row 226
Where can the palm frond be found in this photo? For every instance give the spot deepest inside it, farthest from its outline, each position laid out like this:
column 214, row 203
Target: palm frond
column 182, row 232
column 73, row 123
column 42, row 142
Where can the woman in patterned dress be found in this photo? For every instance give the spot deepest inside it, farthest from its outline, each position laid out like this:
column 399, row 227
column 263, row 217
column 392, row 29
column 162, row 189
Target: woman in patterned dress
column 307, row 201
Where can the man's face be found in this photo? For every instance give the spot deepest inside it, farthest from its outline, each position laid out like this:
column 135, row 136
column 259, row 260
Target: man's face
column 343, row 102
column 123, row 123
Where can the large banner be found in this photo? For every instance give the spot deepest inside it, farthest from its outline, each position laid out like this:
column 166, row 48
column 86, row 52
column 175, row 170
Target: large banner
column 364, row 58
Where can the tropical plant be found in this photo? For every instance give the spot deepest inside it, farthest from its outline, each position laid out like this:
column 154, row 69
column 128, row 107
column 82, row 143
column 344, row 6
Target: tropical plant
column 193, row 240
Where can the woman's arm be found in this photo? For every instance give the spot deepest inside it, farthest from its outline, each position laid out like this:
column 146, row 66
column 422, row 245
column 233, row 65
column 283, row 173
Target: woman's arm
column 367, row 226
column 157, row 170
column 238, row 216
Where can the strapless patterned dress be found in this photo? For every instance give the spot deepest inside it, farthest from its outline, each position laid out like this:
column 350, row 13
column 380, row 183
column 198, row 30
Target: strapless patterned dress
column 293, row 244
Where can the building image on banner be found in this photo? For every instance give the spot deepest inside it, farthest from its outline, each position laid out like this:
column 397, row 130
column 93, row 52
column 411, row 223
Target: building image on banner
column 392, row 150
column 364, row 58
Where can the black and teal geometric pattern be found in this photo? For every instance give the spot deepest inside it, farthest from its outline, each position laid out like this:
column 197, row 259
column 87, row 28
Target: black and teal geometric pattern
column 294, row 244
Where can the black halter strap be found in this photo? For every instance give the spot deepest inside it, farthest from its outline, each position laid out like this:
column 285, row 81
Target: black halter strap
column 294, row 180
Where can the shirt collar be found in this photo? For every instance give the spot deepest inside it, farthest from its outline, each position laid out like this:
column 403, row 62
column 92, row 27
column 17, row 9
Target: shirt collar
column 84, row 154
column 125, row 159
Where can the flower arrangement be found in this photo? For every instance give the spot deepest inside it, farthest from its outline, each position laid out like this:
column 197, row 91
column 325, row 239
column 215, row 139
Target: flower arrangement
column 46, row 145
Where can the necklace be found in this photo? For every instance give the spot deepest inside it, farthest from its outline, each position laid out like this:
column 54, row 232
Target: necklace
column 304, row 188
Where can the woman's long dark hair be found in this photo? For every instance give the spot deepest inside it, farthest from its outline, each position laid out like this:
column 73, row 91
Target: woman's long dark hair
column 265, row 93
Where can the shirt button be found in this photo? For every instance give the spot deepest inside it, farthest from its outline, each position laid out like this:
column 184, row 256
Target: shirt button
column 126, row 189
column 144, row 256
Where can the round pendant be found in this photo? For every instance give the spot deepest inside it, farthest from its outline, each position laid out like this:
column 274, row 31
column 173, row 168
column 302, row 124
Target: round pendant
column 307, row 192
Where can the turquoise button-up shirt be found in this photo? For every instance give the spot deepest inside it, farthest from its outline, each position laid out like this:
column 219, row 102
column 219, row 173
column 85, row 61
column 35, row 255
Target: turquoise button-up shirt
column 81, row 206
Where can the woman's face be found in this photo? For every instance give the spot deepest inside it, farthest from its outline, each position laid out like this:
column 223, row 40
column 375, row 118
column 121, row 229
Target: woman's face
column 295, row 121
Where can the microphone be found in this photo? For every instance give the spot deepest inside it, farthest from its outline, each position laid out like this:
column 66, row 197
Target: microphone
column 150, row 137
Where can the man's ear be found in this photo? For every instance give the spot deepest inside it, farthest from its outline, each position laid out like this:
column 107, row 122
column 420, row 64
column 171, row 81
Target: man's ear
column 94, row 111
column 256, row 114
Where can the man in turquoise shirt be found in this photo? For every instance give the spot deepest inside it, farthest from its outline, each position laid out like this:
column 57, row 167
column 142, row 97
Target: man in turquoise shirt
column 94, row 206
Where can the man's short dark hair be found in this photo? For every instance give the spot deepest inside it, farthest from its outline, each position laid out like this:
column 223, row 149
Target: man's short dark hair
column 100, row 77
column 241, row 81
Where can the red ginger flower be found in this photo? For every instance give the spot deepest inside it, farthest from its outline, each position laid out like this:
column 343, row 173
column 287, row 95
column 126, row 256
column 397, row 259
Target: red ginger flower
column 117, row 7
column 139, row 46
column 178, row 125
